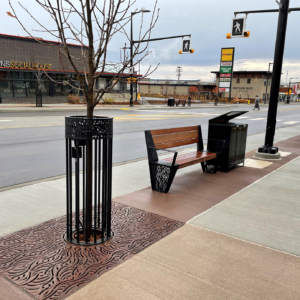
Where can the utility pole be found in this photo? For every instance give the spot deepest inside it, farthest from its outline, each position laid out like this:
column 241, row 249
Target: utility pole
column 266, row 99
column 178, row 72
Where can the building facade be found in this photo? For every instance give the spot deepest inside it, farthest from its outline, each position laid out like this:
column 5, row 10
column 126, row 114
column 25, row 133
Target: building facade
column 248, row 84
column 23, row 59
column 171, row 88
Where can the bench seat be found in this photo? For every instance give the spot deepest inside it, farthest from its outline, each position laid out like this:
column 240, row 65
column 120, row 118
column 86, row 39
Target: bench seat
column 188, row 159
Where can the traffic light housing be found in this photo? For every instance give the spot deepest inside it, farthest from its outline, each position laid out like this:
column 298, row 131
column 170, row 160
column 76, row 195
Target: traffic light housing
column 228, row 36
column 192, row 50
column 246, row 34
column 134, row 79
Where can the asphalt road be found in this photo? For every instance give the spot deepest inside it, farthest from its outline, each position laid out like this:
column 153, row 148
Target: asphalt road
column 32, row 145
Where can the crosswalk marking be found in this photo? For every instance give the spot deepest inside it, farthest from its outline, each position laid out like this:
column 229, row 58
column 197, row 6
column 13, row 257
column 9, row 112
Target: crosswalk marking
column 257, row 119
column 242, row 117
column 291, row 122
column 5, row 120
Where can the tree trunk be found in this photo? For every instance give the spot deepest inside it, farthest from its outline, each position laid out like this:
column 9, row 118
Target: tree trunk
column 89, row 174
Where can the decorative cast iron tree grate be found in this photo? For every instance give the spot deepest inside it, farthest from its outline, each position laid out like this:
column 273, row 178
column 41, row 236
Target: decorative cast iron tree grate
column 89, row 145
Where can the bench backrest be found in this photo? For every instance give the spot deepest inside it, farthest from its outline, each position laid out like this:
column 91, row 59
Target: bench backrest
column 173, row 137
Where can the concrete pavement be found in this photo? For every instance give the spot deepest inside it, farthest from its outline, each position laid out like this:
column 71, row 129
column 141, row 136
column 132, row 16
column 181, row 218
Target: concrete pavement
column 243, row 245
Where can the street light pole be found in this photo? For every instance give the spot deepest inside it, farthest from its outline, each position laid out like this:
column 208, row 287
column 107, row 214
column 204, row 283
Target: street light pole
column 267, row 83
column 131, row 52
column 277, row 67
column 276, row 74
column 131, row 62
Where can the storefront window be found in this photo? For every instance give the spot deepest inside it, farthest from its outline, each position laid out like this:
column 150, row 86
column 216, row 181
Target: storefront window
column 45, row 88
column 66, row 88
column 19, row 88
column 6, row 90
column 21, row 75
column 117, row 86
column 28, row 75
column 15, row 75
column 8, row 75
column 58, row 89
column 31, row 88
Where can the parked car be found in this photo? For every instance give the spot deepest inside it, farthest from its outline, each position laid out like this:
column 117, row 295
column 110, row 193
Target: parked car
column 240, row 100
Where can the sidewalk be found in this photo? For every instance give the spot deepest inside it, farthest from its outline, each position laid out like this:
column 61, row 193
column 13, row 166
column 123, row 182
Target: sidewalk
column 224, row 236
column 82, row 107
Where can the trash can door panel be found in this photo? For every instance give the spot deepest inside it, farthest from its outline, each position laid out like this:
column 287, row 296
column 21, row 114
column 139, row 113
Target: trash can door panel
column 233, row 144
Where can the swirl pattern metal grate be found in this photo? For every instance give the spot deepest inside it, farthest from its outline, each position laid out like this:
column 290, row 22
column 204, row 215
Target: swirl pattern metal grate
column 39, row 261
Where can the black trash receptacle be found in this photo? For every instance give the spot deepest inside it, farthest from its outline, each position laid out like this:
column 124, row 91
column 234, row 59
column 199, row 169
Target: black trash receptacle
column 235, row 137
column 171, row 101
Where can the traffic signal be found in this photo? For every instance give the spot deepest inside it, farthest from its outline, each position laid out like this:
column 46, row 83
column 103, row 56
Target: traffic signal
column 180, row 51
column 228, row 36
column 134, row 79
column 246, row 34
column 192, row 50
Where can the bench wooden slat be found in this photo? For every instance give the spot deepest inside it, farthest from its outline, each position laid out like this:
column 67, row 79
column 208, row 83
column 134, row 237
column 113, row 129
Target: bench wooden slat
column 176, row 143
column 188, row 159
column 172, row 137
column 173, row 130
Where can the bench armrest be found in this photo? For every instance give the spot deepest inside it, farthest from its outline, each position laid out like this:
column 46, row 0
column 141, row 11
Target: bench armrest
column 174, row 157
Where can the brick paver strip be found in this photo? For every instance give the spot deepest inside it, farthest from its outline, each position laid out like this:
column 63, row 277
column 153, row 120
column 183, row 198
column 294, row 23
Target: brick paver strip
column 195, row 192
column 39, row 261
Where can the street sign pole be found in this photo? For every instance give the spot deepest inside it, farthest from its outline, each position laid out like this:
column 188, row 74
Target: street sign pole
column 231, row 75
column 276, row 74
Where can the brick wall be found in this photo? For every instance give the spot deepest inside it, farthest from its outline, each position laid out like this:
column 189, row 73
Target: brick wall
column 31, row 51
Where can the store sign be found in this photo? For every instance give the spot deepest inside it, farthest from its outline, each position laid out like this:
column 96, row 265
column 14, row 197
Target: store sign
column 225, row 75
column 23, row 65
column 224, row 84
column 225, row 70
column 226, row 63
column 222, row 90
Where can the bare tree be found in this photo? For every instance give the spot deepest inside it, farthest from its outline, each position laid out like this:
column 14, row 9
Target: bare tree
column 166, row 88
column 92, row 24
column 97, row 23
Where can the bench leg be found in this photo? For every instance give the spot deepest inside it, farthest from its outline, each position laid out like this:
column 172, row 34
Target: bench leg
column 209, row 166
column 162, row 177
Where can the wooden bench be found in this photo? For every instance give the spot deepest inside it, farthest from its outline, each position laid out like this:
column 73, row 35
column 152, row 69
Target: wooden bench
column 162, row 172
column 182, row 102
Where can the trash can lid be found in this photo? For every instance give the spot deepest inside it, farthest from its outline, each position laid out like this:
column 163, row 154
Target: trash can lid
column 170, row 98
column 227, row 117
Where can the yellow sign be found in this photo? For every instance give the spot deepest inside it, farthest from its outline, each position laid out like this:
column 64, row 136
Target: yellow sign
column 227, row 54
column 139, row 96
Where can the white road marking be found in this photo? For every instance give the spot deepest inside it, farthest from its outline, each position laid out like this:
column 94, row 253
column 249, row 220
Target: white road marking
column 5, row 120
column 291, row 122
column 257, row 119
column 242, row 117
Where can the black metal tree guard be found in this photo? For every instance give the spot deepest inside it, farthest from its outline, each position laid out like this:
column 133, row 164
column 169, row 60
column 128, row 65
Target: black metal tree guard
column 92, row 136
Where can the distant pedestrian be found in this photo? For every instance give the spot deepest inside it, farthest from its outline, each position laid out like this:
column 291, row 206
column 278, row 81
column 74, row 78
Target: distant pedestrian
column 256, row 103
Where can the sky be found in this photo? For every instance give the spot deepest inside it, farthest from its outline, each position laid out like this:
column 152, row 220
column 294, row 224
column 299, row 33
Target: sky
column 207, row 21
